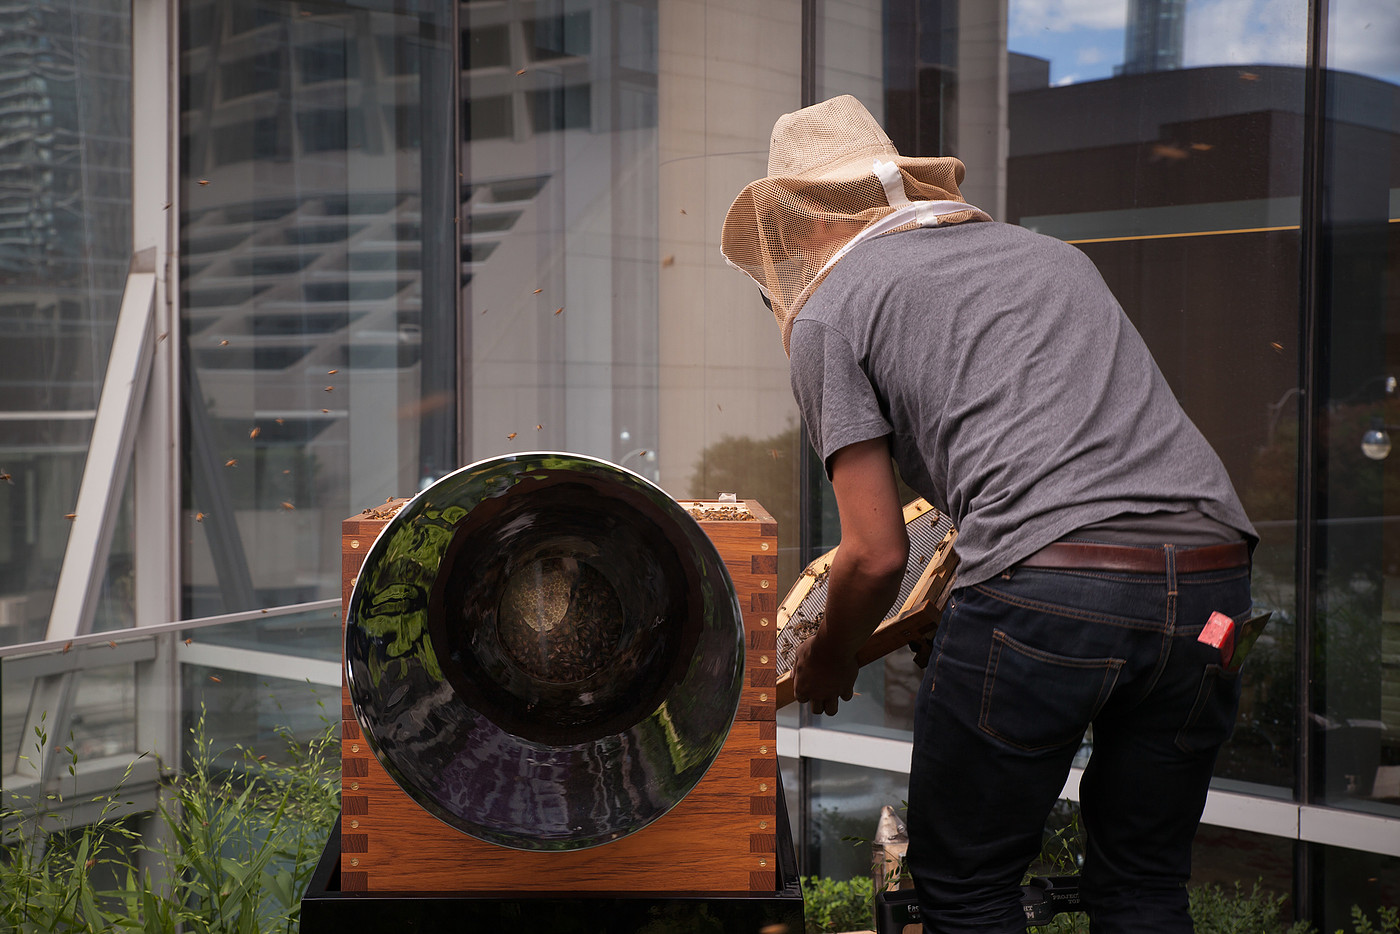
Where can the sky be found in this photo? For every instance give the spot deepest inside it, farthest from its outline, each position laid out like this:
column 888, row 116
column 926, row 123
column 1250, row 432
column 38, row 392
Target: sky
column 1083, row 39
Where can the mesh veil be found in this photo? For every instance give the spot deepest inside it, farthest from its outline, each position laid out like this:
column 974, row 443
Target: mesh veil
column 820, row 193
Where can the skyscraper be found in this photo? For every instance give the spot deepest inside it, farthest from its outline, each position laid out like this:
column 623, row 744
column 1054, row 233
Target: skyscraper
column 1154, row 38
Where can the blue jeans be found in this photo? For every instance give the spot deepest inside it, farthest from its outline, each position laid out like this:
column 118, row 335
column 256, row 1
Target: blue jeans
column 1022, row 665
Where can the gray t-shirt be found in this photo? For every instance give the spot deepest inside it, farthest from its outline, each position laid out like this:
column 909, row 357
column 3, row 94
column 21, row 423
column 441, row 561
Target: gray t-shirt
column 1018, row 397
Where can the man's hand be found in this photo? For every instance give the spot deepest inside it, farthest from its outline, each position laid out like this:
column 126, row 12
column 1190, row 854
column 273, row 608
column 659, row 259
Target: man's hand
column 823, row 673
column 923, row 651
column 864, row 577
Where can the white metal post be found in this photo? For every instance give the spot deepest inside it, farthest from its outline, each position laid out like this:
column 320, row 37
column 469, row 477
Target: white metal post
column 99, row 497
column 155, row 122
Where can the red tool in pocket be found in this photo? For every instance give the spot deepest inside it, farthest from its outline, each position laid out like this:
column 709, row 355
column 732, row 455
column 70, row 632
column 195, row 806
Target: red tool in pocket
column 1233, row 642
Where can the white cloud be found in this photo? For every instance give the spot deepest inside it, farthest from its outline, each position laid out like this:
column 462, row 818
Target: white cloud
column 1364, row 36
column 1089, row 55
column 1245, row 32
column 1030, row 17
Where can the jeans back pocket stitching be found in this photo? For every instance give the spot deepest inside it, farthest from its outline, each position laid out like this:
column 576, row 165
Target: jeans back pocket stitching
column 1109, row 666
column 1210, row 677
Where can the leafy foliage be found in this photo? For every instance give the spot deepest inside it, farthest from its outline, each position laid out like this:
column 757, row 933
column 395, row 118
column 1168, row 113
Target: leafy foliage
column 236, row 848
column 1389, row 921
column 1217, row 910
column 833, row 905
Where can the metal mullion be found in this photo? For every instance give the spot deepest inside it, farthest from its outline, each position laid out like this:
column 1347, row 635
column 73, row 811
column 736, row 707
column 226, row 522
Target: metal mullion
column 809, row 482
column 155, row 211
column 464, row 329
column 1310, row 412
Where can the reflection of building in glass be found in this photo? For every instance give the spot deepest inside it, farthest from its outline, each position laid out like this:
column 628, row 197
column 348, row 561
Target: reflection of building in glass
column 64, row 246
column 318, row 264
column 1155, row 36
column 63, row 174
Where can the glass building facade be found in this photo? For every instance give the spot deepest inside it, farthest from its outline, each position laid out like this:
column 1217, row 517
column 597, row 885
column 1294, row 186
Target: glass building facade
column 360, row 244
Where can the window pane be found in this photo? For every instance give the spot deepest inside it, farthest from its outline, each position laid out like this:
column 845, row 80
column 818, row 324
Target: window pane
column 1224, row 856
column 65, row 244
column 257, row 713
column 845, row 804
column 310, row 634
column 1356, row 701
column 1346, row 879
column 99, row 721
column 559, row 240
column 319, row 317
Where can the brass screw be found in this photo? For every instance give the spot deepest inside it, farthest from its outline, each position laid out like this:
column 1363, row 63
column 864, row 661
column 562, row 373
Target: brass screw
column 354, row 786
column 763, row 584
column 763, row 659
column 354, row 543
column 764, row 546
column 763, row 825
column 763, row 697
column 355, row 861
column 354, row 824
column 763, row 862
column 762, row 786
column 763, row 622
column 763, row 750
column 355, row 747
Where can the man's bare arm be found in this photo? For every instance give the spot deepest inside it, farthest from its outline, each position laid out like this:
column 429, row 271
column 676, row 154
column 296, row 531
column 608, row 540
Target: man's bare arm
column 864, row 577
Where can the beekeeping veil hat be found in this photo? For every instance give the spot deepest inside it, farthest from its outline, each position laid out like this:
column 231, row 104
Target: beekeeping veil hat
column 834, row 180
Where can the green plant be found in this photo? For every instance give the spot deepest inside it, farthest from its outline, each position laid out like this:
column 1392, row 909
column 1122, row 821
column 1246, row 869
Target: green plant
column 1070, row 922
column 242, row 844
column 835, row 905
column 1389, row 921
column 1217, row 910
column 236, row 848
column 46, row 872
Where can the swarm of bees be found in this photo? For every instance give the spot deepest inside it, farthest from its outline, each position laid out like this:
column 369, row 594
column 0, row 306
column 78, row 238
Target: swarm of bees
column 724, row 513
column 390, row 509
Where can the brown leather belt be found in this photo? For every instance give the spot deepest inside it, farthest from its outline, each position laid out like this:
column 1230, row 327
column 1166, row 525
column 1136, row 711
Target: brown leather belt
column 1091, row 556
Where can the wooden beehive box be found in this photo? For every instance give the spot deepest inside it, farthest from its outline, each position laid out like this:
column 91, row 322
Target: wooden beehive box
column 720, row 838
